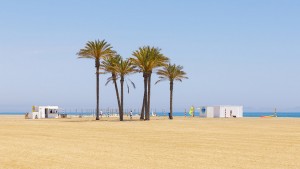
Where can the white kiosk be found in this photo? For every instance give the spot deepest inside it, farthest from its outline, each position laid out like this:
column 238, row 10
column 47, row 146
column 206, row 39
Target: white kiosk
column 40, row 112
column 221, row 111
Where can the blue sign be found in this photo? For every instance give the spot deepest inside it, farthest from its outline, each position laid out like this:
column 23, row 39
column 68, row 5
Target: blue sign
column 203, row 110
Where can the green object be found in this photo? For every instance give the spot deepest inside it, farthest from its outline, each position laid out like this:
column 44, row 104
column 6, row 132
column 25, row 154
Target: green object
column 192, row 110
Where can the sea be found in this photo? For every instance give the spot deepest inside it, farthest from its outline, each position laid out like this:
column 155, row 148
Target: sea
column 246, row 114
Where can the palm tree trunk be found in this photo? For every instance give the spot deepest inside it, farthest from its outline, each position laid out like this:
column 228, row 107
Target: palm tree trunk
column 117, row 92
column 145, row 95
column 143, row 109
column 171, row 101
column 149, row 91
column 122, row 98
column 97, row 87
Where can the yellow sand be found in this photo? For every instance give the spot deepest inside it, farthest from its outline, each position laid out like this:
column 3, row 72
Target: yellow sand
column 272, row 143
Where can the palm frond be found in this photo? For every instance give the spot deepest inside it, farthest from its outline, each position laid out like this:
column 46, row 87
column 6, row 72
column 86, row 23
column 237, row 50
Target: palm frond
column 127, row 86
column 161, row 80
column 133, row 85
column 108, row 80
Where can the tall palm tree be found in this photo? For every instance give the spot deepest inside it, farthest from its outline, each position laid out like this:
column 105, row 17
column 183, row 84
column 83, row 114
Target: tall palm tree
column 124, row 68
column 109, row 64
column 156, row 59
column 171, row 73
column 140, row 60
column 96, row 50
column 146, row 59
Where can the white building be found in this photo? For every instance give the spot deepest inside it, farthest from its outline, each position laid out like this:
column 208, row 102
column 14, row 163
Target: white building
column 40, row 112
column 221, row 111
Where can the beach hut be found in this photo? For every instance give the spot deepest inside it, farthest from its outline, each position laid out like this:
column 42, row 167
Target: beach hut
column 221, row 111
column 40, row 112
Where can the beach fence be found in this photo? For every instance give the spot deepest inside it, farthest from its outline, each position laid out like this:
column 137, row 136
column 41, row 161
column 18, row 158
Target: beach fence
column 109, row 112
column 104, row 112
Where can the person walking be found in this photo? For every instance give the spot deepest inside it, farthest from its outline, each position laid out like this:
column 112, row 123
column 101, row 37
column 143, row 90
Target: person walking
column 130, row 114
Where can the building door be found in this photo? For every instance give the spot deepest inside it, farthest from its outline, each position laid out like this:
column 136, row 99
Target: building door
column 46, row 113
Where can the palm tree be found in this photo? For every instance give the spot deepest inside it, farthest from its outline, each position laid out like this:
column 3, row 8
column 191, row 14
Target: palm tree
column 96, row 50
column 140, row 60
column 109, row 64
column 171, row 73
column 146, row 59
column 156, row 60
column 124, row 68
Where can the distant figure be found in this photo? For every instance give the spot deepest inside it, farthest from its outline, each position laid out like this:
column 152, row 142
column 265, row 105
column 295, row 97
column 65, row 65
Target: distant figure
column 192, row 111
column 130, row 114
column 101, row 113
column 275, row 113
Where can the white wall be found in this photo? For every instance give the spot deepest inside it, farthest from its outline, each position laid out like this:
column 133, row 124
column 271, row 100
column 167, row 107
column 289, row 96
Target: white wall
column 210, row 112
column 216, row 111
column 230, row 111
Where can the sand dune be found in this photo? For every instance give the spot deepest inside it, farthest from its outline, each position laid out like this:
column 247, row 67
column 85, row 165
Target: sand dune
column 160, row 143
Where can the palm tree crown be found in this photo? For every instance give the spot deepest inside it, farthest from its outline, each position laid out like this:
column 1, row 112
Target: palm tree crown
column 125, row 67
column 171, row 73
column 147, row 58
column 96, row 50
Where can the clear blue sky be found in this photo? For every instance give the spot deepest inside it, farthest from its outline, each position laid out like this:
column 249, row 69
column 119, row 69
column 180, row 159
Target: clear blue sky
column 235, row 52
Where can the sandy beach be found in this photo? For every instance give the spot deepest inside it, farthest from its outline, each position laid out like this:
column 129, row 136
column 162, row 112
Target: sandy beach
column 272, row 143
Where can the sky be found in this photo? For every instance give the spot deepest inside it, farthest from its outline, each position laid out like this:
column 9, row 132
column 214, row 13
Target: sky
column 234, row 52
